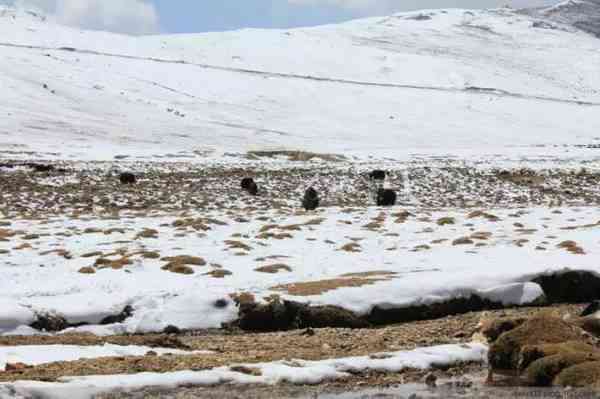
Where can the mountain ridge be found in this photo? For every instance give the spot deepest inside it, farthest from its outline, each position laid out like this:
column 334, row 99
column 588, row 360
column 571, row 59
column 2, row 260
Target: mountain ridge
column 376, row 81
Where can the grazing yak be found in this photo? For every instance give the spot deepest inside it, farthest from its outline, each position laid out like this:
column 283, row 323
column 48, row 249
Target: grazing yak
column 127, row 178
column 377, row 175
column 386, row 197
column 310, row 202
column 249, row 185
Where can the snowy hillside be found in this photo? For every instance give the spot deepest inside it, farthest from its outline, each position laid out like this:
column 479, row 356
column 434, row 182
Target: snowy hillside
column 436, row 82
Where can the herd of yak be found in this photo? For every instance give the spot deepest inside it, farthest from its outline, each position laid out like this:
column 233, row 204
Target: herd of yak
column 310, row 201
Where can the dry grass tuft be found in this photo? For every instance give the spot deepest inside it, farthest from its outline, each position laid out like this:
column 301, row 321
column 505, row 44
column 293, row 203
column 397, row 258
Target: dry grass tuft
column 178, row 268
column 482, row 214
column 309, row 288
column 481, row 235
column 572, row 247
column 351, row 247
column 234, row 244
column 103, row 263
column 273, row 269
column 463, row 241
column 277, row 236
column 219, row 273
column 185, row 260
column 87, row 270
column 446, row 221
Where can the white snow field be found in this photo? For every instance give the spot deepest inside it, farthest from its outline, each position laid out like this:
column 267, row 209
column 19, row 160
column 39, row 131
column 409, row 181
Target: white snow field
column 295, row 371
column 461, row 82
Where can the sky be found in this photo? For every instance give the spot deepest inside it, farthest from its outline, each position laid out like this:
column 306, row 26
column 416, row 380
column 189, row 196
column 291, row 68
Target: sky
column 182, row 16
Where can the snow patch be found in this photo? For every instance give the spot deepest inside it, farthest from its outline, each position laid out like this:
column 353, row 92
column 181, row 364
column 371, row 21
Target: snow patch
column 296, row 372
column 41, row 354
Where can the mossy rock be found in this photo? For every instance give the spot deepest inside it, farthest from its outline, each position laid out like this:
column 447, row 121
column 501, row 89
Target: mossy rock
column 585, row 374
column 543, row 371
column 505, row 353
column 532, row 353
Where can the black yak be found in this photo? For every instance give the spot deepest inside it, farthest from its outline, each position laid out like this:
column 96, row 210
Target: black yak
column 249, row 185
column 377, row 175
column 310, row 202
column 127, row 178
column 386, row 197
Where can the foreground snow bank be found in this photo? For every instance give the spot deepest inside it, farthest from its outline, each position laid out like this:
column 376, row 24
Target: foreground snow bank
column 297, row 372
column 40, row 354
column 399, row 265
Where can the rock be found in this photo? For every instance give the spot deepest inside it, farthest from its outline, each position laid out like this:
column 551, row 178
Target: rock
column 126, row 313
column 553, row 359
column 386, row 197
column 586, row 374
column 310, row 202
column 127, row 178
column 430, row 380
column 49, row 323
column 570, row 286
column 591, row 309
column 506, row 352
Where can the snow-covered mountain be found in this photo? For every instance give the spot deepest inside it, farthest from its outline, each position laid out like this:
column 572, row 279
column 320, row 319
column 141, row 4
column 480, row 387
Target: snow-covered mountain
column 583, row 14
column 433, row 82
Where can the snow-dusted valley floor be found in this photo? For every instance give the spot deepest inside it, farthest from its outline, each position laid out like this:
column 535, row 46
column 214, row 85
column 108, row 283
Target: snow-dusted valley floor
column 488, row 123
column 185, row 250
column 179, row 246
